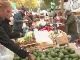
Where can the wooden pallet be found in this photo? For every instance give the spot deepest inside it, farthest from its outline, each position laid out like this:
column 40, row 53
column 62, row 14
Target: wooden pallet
column 39, row 47
column 36, row 46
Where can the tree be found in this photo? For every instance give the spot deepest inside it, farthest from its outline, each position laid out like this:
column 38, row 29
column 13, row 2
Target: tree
column 57, row 3
column 43, row 5
column 46, row 4
column 26, row 3
column 31, row 4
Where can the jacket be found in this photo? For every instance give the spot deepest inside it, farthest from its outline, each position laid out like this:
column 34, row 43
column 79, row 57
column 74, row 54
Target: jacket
column 17, row 23
column 71, row 23
column 7, row 28
column 8, row 43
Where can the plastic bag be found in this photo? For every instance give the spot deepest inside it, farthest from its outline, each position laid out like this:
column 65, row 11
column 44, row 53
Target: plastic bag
column 1, row 57
column 42, row 36
column 24, row 25
column 6, row 54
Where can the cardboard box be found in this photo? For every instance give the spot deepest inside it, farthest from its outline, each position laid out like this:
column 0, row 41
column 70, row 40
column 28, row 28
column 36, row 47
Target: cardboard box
column 62, row 39
column 63, row 28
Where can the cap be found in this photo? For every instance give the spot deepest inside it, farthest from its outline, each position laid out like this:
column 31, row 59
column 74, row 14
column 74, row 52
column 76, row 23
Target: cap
column 67, row 11
column 22, row 8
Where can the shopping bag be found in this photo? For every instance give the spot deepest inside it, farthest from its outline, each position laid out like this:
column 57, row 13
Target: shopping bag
column 24, row 25
column 5, row 53
column 42, row 36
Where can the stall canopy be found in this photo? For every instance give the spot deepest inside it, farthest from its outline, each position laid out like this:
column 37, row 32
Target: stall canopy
column 76, row 10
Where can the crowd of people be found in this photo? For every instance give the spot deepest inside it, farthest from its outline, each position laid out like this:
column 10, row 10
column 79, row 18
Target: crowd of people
column 68, row 19
column 7, row 33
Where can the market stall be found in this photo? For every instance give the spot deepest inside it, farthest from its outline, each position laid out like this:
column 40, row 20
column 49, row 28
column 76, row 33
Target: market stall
column 48, row 43
column 42, row 39
column 76, row 12
column 45, row 50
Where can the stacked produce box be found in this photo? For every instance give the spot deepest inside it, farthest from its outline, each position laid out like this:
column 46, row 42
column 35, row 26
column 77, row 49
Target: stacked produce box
column 28, row 41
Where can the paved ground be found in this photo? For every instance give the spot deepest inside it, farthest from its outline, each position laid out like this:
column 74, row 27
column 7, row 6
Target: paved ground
column 77, row 50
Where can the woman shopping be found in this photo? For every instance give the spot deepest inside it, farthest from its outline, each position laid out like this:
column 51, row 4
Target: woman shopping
column 6, row 9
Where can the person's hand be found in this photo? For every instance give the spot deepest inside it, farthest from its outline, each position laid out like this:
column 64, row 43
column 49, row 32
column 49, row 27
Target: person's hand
column 77, row 43
column 21, row 34
column 62, row 25
column 13, row 40
column 24, row 20
column 1, row 45
column 31, row 57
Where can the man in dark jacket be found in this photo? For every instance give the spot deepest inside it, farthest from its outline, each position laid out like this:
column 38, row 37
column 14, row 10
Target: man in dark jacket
column 18, row 20
column 71, row 25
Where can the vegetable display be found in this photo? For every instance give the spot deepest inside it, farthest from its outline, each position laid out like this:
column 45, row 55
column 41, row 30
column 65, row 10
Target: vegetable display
column 55, row 53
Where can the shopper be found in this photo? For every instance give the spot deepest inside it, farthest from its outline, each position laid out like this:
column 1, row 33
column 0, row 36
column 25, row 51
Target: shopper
column 70, row 24
column 18, row 20
column 7, row 28
column 5, row 8
column 60, row 17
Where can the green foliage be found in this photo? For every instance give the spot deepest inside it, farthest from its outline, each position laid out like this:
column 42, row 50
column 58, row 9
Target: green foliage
column 57, row 3
column 45, row 4
column 26, row 3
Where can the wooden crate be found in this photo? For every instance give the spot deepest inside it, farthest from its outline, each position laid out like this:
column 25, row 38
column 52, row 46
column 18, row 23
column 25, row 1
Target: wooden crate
column 62, row 39
column 63, row 28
